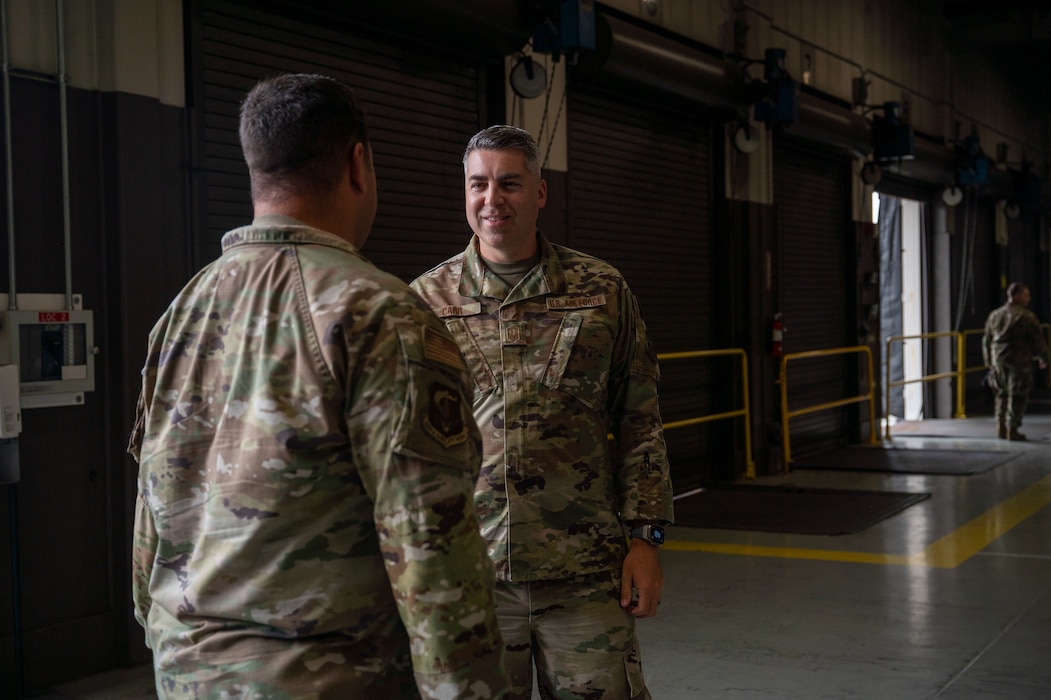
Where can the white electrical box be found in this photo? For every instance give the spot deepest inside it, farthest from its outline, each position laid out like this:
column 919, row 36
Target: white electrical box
column 10, row 406
column 54, row 352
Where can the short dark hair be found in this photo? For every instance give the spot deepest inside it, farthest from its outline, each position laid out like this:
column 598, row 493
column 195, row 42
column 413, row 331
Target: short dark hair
column 297, row 131
column 1016, row 288
column 502, row 137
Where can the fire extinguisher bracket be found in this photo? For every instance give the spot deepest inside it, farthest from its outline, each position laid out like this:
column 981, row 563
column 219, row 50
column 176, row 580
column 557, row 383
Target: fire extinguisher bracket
column 777, row 337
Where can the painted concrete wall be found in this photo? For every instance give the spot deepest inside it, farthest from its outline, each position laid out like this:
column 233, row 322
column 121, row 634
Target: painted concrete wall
column 132, row 46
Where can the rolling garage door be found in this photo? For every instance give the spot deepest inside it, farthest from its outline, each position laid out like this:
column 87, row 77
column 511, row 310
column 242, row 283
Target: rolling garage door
column 816, row 241
column 975, row 268
column 640, row 198
column 976, row 261
column 1023, row 237
column 422, row 108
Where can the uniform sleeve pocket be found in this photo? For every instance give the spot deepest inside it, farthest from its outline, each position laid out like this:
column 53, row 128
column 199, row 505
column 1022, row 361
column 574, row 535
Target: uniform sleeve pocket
column 436, row 419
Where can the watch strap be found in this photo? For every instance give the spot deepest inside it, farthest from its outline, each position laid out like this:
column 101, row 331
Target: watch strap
column 654, row 534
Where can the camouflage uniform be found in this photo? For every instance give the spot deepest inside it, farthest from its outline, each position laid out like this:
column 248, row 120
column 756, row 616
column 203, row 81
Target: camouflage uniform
column 306, row 459
column 559, row 362
column 1013, row 339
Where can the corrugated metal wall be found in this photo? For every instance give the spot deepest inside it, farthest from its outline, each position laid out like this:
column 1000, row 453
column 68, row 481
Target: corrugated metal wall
column 422, row 108
column 811, row 195
column 640, row 197
column 1023, row 237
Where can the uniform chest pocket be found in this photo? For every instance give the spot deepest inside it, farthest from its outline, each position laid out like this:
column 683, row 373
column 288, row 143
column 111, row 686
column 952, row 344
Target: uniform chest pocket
column 579, row 363
column 481, row 372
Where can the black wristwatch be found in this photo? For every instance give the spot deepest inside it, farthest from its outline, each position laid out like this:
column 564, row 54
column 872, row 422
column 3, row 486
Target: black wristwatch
column 654, row 534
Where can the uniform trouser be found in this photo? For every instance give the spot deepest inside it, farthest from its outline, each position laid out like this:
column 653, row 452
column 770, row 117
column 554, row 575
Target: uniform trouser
column 582, row 642
column 1011, row 387
column 245, row 666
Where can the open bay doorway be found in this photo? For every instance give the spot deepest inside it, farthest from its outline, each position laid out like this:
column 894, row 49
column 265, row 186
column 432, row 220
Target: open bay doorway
column 902, row 249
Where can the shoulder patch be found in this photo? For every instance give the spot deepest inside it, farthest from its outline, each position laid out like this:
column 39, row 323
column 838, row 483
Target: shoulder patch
column 442, row 349
column 443, row 419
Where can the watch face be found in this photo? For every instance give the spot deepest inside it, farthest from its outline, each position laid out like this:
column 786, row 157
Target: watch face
column 657, row 534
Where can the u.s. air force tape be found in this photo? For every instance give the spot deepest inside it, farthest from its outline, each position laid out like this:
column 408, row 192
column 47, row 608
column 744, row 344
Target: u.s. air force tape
column 576, row 302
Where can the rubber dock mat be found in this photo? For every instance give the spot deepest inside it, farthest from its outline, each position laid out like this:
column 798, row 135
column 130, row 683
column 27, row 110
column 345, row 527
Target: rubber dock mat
column 904, row 460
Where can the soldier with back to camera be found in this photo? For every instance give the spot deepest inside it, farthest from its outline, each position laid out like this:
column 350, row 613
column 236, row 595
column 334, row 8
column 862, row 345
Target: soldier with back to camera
column 307, row 456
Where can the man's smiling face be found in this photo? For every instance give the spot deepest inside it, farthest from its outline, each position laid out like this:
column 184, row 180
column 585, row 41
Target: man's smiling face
column 503, row 199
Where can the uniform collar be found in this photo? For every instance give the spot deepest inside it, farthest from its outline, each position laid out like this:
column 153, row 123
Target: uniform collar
column 547, row 277
column 275, row 228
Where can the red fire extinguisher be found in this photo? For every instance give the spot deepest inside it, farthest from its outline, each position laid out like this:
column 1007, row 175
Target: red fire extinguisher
column 777, row 337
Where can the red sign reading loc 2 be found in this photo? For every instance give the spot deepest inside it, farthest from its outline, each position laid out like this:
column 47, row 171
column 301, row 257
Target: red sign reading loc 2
column 53, row 317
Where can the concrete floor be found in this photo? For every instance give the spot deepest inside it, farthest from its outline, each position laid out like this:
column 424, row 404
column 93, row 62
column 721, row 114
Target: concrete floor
column 950, row 598
column 878, row 614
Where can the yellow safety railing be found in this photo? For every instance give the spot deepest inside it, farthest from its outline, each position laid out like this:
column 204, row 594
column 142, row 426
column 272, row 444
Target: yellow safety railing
column 787, row 415
column 744, row 412
column 1047, row 339
column 961, row 364
column 957, row 374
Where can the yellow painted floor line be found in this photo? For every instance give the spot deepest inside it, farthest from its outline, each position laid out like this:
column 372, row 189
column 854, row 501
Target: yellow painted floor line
column 963, row 543
column 947, row 553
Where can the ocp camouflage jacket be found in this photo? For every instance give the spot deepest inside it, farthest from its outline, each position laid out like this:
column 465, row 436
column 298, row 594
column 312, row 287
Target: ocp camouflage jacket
column 559, row 362
column 307, row 460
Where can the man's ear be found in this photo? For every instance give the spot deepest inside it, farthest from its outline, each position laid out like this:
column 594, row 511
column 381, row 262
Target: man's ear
column 360, row 166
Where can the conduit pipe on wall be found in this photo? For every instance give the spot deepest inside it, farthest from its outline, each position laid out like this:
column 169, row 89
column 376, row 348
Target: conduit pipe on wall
column 61, row 79
column 628, row 53
column 831, row 124
column 12, row 488
column 866, row 72
column 67, row 239
column 633, row 54
column 936, row 164
column 933, row 162
column 9, row 160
